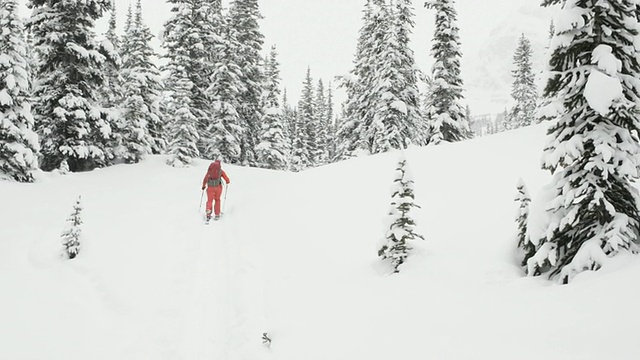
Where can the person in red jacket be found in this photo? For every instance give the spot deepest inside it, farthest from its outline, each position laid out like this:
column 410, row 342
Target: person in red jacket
column 213, row 183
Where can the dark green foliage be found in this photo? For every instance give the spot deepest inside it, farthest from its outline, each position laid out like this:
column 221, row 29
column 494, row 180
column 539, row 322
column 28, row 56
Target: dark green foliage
column 272, row 151
column 593, row 153
column 526, row 249
column 18, row 142
column 244, row 16
column 401, row 231
column 447, row 121
column 382, row 111
column 70, row 118
column 143, row 128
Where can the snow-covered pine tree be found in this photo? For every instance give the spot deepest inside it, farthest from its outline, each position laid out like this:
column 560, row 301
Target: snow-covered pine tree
column 215, row 35
column 31, row 56
column 360, row 103
column 501, row 121
column 183, row 135
column 409, row 95
column 382, row 111
column 299, row 148
column 446, row 114
column 112, row 92
column 112, row 87
column 348, row 139
column 526, row 249
column 70, row 118
column 142, row 131
column 523, row 89
column 112, row 34
column 467, row 115
column 272, row 151
column 543, row 107
column 397, row 121
column 593, row 150
column 307, row 124
column 183, row 41
column 286, row 108
column 18, row 142
column 288, row 122
column 340, row 149
column 329, row 110
column 71, row 236
column 187, row 39
column 225, row 130
column 402, row 227
column 331, row 126
column 244, row 16
column 387, row 130
column 322, row 124
column 63, row 169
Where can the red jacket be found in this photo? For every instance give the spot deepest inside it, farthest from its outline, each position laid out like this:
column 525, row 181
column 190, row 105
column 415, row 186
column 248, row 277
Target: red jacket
column 210, row 174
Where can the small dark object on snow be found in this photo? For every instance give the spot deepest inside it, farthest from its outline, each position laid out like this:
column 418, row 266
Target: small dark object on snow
column 265, row 339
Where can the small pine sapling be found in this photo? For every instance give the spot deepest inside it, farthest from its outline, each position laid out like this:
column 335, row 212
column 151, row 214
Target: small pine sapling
column 71, row 236
column 526, row 249
column 396, row 248
column 63, row 169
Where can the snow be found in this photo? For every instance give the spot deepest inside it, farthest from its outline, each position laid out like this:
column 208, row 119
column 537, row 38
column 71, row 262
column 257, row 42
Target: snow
column 400, row 106
column 10, row 81
column 603, row 84
column 6, row 60
column 601, row 91
column 5, row 98
column 571, row 17
column 605, row 60
column 295, row 256
column 79, row 50
column 273, row 111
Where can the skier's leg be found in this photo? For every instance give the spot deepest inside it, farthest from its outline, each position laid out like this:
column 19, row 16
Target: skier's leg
column 216, row 194
column 210, row 198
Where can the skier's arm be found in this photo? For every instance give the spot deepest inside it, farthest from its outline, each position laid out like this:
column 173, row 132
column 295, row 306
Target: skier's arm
column 204, row 181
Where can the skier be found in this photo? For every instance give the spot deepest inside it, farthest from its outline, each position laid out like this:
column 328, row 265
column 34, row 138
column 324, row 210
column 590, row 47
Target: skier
column 213, row 183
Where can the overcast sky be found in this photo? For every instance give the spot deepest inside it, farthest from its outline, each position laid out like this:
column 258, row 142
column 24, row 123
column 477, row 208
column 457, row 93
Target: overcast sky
column 322, row 35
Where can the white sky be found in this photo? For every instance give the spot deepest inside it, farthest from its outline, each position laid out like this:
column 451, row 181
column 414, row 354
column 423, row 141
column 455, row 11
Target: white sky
column 322, row 35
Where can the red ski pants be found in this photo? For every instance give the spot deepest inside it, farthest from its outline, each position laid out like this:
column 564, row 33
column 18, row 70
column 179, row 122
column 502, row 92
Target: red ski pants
column 213, row 193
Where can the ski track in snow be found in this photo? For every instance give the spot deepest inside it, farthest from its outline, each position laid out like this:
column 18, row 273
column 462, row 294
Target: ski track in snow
column 225, row 304
column 208, row 279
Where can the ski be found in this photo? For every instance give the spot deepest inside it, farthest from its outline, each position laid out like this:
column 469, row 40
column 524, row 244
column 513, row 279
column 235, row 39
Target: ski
column 207, row 220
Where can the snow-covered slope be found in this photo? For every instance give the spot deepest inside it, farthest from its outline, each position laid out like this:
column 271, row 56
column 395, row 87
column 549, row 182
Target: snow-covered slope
column 295, row 256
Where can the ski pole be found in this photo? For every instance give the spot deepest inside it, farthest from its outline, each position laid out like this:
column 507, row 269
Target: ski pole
column 226, row 189
column 201, row 195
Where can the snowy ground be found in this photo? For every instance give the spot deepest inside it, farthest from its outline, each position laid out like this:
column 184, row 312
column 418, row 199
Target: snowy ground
column 295, row 256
